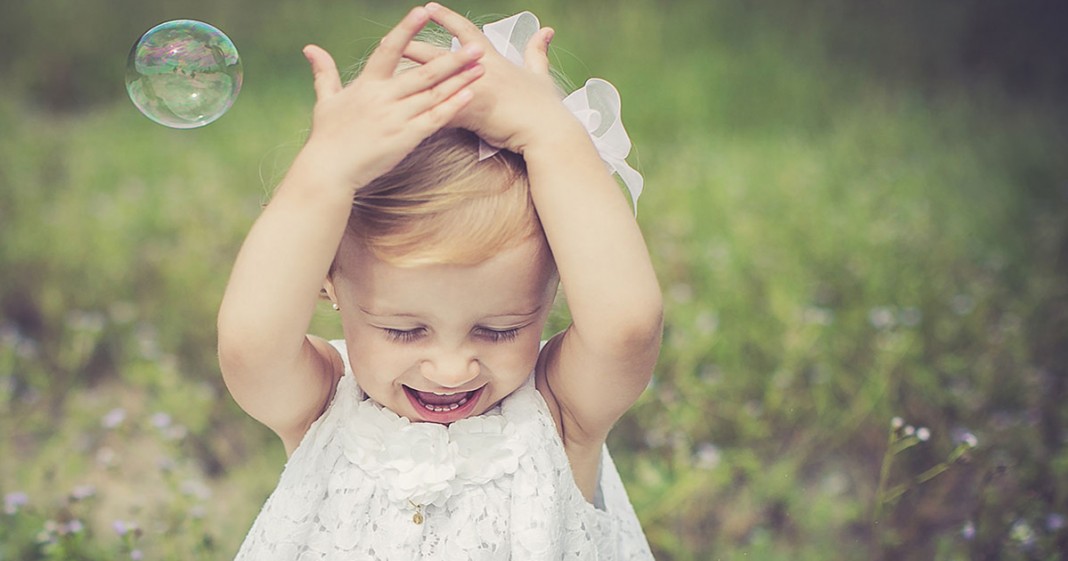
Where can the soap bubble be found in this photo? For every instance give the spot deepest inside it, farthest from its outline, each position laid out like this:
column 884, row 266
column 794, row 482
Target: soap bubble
column 183, row 74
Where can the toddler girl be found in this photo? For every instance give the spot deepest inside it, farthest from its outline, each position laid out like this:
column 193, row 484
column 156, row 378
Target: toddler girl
column 440, row 206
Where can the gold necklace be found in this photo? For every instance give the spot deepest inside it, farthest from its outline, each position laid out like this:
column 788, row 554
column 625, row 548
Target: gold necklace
column 418, row 516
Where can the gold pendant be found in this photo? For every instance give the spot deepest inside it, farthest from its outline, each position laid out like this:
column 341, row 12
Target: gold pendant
column 418, row 516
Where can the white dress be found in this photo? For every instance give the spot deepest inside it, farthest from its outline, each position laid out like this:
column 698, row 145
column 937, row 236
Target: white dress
column 365, row 483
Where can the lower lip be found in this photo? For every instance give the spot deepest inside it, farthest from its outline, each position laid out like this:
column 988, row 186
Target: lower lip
column 444, row 417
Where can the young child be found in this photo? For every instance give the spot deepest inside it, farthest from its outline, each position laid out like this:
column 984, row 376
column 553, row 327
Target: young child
column 442, row 427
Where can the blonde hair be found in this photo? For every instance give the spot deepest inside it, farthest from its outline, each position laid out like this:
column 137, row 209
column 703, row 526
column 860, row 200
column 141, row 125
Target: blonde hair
column 441, row 205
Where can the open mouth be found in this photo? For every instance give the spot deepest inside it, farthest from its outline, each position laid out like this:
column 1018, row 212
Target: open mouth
column 443, row 407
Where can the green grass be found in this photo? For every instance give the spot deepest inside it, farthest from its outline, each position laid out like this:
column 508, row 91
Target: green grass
column 836, row 249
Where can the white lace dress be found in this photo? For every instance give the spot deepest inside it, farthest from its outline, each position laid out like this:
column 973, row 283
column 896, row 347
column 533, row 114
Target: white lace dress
column 365, row 483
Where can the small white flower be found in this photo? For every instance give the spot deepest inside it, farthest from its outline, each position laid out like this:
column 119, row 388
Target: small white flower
column 910, row 430
column 964, row 437
column 896, row 423
column 881, row 318
column 420, row 461
column 923, row 434
column 1021, row 532
column 113, row 418
column 707, row 456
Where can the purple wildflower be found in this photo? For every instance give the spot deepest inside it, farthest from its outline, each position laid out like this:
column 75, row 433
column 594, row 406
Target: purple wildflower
column 82, row 492
column 161, row 420
column 968, row 530
column 113, row 418
column 12, row 502
column 1055, row 521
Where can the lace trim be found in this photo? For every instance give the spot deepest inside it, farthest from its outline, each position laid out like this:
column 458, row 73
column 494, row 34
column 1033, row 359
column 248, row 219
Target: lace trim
column 428, row 463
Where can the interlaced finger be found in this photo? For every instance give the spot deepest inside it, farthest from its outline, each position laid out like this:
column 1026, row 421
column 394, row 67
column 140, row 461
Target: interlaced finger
column 423, row 52
column 428, row 99
column 429, row 75
column 383, row 61
column 458, row 25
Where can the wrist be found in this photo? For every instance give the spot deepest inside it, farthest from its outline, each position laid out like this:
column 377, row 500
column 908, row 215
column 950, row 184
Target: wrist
column 317, row 164
column 311, row 176
column 561, row 137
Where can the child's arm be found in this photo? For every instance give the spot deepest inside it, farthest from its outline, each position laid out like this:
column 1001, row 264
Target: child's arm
column 275, row 372
column 597, row 368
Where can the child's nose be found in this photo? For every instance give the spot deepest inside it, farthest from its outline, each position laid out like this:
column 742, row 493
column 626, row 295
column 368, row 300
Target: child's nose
column 450, row 371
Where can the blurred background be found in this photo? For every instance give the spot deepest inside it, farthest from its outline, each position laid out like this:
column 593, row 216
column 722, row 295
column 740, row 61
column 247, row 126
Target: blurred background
column 857, row 211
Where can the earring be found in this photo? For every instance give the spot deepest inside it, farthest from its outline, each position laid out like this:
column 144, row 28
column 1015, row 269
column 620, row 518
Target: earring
column 336, row 308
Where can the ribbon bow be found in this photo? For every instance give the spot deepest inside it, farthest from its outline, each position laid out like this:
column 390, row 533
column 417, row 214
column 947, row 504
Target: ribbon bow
column 596, row 104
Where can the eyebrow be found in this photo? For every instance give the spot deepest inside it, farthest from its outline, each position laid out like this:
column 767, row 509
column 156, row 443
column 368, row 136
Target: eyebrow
column 393, row 315
column 411, row 315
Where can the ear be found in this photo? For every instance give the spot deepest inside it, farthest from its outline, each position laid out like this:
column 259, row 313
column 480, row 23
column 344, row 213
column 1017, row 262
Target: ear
column 328, row 288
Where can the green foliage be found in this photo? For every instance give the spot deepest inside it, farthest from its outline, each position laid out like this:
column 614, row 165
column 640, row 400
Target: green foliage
column 838, row 246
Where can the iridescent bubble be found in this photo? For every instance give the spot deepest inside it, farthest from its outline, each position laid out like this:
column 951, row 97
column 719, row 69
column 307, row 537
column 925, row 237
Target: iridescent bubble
column 183, row 74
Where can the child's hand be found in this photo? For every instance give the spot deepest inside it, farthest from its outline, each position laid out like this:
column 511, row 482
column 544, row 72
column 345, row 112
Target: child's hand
column 513, row 107
column 362, row 130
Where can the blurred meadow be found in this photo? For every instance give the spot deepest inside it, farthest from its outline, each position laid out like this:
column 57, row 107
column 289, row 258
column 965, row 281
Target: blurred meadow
column 857, row 211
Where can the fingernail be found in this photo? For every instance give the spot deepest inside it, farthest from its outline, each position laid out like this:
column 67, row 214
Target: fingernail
column 473, row 49
column 432, row 7
column 549, row 36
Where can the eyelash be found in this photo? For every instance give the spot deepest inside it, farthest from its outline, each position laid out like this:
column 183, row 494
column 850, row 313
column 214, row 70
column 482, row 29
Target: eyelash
column 403, row 335
column 499, row 336
column 411, row 335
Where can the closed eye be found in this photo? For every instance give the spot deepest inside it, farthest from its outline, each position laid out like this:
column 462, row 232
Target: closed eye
column 404, row 335
column 497, row 335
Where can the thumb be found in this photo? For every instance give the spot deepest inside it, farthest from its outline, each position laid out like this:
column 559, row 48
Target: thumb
column 536, row 57
column 327, row 81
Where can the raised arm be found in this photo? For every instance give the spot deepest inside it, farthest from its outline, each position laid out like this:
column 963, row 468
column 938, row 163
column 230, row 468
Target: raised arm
column 277, row 373
column 597, row 368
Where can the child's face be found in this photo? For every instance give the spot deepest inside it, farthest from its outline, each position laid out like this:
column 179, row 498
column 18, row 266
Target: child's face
column 468, row 333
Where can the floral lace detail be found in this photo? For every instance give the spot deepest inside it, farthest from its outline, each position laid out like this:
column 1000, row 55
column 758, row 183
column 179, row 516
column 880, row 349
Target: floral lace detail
column 428, row 463
column 491, row 488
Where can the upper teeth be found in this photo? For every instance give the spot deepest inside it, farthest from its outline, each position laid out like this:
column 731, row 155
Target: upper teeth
column 444, row 408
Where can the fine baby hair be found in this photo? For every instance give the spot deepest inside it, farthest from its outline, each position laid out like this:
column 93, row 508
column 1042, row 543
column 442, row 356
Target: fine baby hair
column 441, row 205
column 442, row 196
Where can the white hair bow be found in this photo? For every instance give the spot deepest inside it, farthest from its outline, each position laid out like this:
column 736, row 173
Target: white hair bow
column 596, row 104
